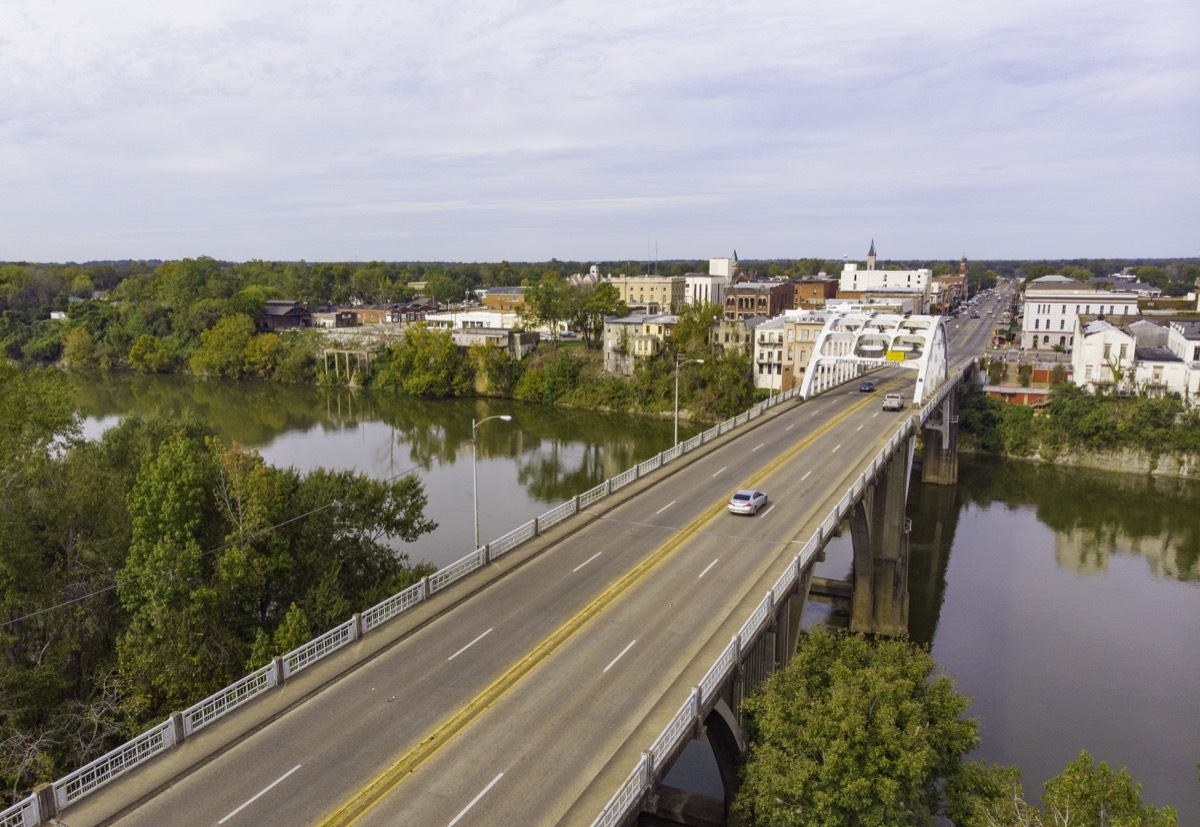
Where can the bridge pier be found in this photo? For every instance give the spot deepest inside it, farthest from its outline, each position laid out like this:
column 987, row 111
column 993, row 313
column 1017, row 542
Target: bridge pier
column 879, row 531
column 939, row 457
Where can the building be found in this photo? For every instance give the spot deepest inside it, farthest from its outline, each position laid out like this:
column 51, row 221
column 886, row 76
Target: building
column 474, row 320
column 702, row 289
column 284, row 315
column 725, row 267
column 812, row 294
column 870, row 283
column 334, row 319
column 757, row 298
column 666, row 292
column 734, row 335
column 1052, row 304
column 633, row 337
column 800, row 331
column 517, row 343
column 1141, row 358
column 504, row 299
column 767, row 361
column 948, row 292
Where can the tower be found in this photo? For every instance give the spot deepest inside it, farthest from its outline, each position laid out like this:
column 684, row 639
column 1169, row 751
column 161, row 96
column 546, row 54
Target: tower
column 871, row 256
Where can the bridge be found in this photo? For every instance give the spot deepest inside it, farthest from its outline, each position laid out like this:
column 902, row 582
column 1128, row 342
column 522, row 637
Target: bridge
column 554, row 675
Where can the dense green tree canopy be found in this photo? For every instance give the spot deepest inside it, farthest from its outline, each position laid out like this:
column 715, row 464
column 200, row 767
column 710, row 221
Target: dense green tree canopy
column 852, row 733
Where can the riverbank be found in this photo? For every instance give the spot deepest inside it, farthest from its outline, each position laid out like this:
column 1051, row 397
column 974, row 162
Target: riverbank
column 1140, row 435
column 1186, row 466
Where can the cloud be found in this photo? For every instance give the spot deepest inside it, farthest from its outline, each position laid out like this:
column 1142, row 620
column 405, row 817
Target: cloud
column 488, row 129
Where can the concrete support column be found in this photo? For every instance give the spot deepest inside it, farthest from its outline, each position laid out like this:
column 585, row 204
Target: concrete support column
column 939, row 458
column 878, row 530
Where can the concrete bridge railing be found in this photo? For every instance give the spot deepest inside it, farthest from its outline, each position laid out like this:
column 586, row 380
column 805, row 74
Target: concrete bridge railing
column 639, row 786
column 49, row 800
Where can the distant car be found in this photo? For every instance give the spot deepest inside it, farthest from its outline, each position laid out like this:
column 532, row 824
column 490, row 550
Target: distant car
column 746, row 501
column 893, row 402
column 974, row 314
column 867, row 386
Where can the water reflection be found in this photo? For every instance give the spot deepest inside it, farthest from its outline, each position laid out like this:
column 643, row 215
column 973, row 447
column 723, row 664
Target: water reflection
column 541, row 458
column 1094, row 513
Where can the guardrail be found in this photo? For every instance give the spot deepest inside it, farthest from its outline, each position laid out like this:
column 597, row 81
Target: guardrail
column 28, row 812
column 25, row 813
column 637, row 786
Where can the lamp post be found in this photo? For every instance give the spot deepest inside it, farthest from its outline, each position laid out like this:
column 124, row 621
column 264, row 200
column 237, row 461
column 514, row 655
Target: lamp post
column 677, row 364
column 474, row 475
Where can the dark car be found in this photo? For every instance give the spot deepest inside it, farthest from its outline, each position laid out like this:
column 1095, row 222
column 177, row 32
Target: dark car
column 867, row 386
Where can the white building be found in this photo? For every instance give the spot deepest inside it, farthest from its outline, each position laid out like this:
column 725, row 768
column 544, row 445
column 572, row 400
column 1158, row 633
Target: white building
column 726, row 268
column 1130, row 359
column 636, row 336
column 467, row 319
column 1054, row 303
column 702, row 289
column 1183, row 338
column 872, row 283
column 767, row 361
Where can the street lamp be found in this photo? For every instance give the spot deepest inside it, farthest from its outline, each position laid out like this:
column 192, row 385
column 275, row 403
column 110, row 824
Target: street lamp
column 677, row 364
column 474, row 474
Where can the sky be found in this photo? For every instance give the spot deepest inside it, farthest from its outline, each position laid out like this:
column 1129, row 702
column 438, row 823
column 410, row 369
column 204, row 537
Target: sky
column 598, row 130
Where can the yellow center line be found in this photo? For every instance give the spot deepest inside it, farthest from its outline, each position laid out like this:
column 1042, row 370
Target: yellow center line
column 374, row 791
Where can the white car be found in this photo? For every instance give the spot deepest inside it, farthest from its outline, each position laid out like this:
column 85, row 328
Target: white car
column 746, row 501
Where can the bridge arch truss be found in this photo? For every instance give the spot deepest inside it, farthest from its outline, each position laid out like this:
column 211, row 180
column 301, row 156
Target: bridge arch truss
column 853, row 343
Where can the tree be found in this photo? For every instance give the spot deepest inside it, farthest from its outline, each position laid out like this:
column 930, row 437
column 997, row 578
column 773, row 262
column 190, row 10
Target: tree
column 694, row 328
column 852, row 733
column 178, row 646
column 223, row 347
column 546, row 304
column 148, row 355
column 426, row 362
column 79, row 349
column 593, row 304
column 1082, row 795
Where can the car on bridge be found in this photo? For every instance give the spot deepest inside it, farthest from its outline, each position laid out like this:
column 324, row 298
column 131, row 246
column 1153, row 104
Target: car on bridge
column 893, row 402
column 867, row 386
column 747, row 501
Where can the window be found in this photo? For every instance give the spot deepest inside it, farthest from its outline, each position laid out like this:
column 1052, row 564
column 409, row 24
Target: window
column 1122, row 353
column 1107, row 350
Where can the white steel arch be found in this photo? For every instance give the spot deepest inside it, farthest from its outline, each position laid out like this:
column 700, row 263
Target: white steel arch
column 852, row 343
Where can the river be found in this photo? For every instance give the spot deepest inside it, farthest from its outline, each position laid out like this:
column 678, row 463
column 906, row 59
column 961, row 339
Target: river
column 1063, row 601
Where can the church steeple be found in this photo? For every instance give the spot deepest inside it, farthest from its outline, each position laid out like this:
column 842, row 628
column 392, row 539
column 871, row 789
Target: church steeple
column 871, row 256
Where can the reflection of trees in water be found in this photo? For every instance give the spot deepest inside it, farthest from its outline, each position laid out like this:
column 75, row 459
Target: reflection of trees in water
column 250, row 413
column 1095, row 512
column 548, row 476
column 559, row 452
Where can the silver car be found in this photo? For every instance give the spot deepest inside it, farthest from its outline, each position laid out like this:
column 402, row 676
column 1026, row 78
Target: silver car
column 746, row 501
